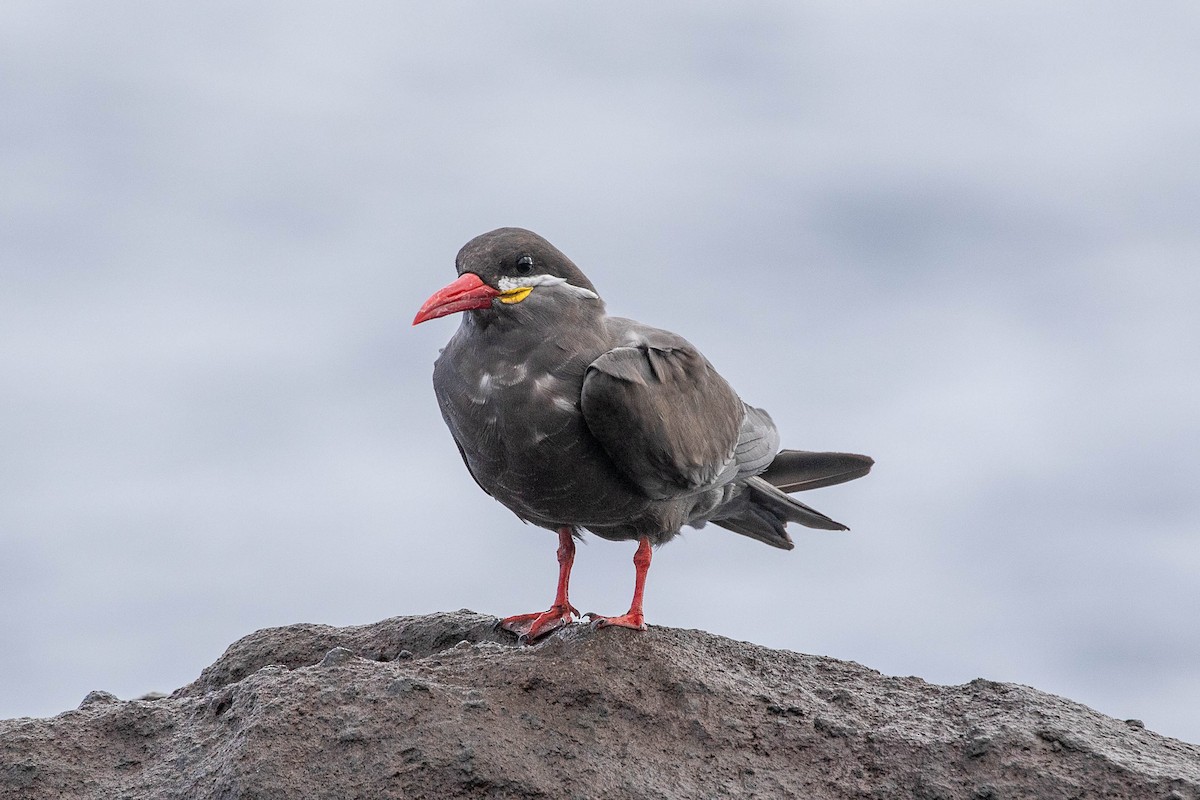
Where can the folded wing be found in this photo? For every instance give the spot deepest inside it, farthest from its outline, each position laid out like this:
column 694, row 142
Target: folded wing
column 665, row 417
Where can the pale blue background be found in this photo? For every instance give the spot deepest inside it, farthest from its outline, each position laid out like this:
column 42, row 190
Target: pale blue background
column 963, row 238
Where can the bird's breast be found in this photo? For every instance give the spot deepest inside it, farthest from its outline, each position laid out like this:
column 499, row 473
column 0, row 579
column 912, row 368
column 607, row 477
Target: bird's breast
column 526, row 442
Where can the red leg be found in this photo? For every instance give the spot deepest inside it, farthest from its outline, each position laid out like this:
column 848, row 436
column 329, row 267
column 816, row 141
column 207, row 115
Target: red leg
column 530, row 626
column 632, row 619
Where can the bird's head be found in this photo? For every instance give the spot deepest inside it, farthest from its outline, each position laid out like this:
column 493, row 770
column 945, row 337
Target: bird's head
column 507, row 267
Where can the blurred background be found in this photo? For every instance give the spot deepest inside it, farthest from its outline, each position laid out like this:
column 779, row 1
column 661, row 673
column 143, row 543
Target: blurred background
column 961, row 238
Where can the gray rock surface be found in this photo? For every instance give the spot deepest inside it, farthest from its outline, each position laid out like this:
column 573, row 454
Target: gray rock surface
column 445, row 706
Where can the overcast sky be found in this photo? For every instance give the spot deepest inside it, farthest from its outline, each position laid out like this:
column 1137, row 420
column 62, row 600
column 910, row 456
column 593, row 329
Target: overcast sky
column 961, row 238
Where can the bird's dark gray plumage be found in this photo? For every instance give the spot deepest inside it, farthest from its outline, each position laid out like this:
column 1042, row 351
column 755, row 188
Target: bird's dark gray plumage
column 575, row 419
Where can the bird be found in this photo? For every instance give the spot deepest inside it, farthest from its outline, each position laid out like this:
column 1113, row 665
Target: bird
column 576, row 420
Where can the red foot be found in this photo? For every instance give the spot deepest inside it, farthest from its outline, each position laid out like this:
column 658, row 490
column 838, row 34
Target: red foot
column 531, row 626
column 528, row 627
column 630, row 620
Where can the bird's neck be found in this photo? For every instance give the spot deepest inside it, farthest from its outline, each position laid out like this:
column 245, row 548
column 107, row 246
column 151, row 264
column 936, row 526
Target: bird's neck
column 538, row 320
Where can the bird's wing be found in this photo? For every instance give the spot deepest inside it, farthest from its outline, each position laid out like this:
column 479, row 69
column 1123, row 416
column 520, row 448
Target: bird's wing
column 665, row 417
column 758, row 443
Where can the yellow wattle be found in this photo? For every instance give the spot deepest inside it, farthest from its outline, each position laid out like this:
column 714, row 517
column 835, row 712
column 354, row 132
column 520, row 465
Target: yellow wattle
column 516, row 294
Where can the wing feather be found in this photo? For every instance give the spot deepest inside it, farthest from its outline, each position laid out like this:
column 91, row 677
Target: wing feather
column 662, row 413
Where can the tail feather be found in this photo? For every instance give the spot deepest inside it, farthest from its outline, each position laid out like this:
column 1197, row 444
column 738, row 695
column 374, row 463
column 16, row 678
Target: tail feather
column 758, row 523
column 762, row 512
column 792, row 510
column 762, row 508
column 801, row 470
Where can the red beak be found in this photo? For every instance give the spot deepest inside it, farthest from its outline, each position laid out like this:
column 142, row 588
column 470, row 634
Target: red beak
column 468, row 292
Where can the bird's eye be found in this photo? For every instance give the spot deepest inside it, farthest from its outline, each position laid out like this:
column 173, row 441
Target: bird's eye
column 524, row 265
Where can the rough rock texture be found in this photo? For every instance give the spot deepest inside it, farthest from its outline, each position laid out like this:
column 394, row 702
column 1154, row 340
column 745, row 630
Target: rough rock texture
column 445, row 706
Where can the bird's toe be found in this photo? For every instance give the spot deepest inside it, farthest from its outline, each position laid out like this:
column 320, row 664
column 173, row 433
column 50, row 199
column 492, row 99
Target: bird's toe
column 530, row 627
column 632, row 620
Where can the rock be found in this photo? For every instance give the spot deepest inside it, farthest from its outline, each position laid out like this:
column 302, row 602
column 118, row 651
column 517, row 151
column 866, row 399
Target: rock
column 446, row 706
column 98, row 696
